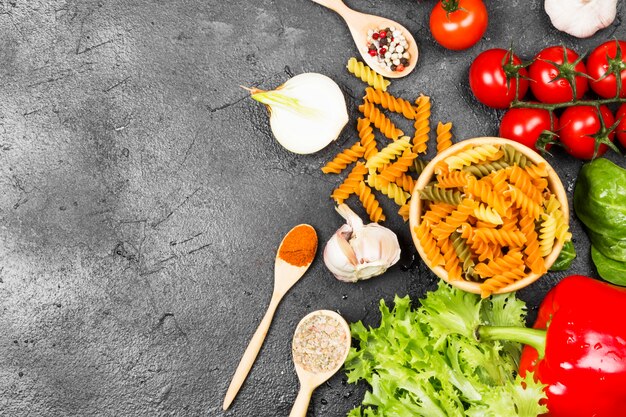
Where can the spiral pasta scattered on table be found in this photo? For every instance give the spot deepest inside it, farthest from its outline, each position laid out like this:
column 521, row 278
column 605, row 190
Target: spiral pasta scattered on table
column 350, row 184
column 444, row 136
column 494, row 207
column 390, row 189
column 382, row 122
column 367, row 75
column 343, row 159
column 372, row 207
column 390, row 102
column 422, row 125
column 367, row 137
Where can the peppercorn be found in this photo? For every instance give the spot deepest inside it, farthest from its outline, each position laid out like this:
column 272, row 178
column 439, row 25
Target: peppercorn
column 372, row 46
column 400, row 68
column 383, row 41
column 404, row 61
column 375, row 35
column 393, row 67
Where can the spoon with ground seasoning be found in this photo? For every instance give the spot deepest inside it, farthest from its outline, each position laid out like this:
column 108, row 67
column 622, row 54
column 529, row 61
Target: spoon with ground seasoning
column 295, row 254
column 320, row 346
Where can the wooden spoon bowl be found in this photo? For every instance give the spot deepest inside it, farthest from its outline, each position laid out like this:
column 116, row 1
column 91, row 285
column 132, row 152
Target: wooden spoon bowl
column 359, row 23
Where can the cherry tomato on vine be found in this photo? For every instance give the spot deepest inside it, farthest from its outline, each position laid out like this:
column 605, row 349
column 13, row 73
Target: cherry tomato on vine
column 488, row 78
column 579, row 124
column 543, row 74
column 605, row 58
column 458, row 24
column 524, row 125
column 620, row 130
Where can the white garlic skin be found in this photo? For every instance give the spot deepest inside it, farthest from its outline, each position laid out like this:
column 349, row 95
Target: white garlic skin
column 357, row 251
column 581, row 18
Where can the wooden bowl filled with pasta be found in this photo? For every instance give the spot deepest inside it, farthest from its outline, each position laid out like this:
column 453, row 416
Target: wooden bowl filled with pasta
column 489, row 215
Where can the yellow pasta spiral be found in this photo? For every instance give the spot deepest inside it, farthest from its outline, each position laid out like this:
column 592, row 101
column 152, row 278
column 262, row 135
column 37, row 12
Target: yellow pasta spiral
column 350, row 184
column 366, row 134
column 385, row 155
column 381, row 121
column 422, row 125
column 402, row 164
column 473, row 155
column 367, row 75
column 391, row 190
column 444, row 136
column 487, row 214
column 547, row 234
column 343, row 159
column 389, row 102
column 370, row 203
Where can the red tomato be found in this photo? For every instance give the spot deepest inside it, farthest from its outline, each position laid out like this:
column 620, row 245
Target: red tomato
column 620, row 130
column 598, row 65
column 577, row 124
column 525, row 125
column 542, row 73
column 488, row 79
column 458, row 24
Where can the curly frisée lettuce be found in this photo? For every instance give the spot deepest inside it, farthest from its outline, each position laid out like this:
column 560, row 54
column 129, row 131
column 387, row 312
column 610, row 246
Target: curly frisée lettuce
column 427, row 362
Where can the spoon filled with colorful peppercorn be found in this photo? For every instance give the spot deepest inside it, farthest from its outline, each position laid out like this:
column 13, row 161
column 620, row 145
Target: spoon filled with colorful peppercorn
column 386, row 46
column 320, row 346
column 295, row 255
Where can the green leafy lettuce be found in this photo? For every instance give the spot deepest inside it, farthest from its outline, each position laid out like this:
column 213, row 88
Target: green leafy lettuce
column 427, row 362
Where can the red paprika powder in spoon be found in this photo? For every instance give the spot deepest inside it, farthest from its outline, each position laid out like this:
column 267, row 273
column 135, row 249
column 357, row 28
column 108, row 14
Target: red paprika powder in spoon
column 299, row 246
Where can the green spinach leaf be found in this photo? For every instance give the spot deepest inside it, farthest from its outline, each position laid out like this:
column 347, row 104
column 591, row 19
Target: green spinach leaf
column 609, row 269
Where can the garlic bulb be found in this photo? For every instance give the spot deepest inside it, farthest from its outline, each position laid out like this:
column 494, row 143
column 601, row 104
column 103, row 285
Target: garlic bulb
column 581, row 18
column 306, row 113
column 357, row 251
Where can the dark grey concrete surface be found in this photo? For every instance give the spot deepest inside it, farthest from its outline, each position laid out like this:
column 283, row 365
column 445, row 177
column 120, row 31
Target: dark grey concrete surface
column 143, row 196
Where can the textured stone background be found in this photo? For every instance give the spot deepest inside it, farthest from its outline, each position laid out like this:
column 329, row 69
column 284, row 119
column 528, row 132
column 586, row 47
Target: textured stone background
column 143, row 196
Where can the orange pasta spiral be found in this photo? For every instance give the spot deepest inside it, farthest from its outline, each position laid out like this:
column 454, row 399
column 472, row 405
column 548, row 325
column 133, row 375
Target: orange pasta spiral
column 523, row 202
column 454, row 179
column 370, row 203
column 429, row 245
column 522, row 180
column 366, row 134
column 459, row 216
column 511, row 260
column 381, row 121
column 444, row 137
column 533, row 260
column 422, row 125
column 482, row 190
column 399, row 167
column 513, row 238
column 404, row 211
column 406, row 182
column 389, row 102
column 493, row 284
column 452, row 263
column 343, row 159
column 350, row 184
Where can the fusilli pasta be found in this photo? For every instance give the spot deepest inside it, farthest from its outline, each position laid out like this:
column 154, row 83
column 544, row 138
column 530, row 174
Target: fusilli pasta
column 382, row 122
column 367, row 75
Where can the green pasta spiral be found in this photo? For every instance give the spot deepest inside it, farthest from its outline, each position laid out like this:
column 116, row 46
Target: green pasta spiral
column 514, row 157
column 434, row 193
column 482, row 170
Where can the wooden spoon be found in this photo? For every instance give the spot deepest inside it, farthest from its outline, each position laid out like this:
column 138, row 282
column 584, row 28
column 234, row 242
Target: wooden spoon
column 359, row 23
column 285, row 276
column 333, row 357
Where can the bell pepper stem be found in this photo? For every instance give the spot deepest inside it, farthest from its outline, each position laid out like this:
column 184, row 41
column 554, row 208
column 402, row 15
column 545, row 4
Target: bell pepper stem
column 533, row 337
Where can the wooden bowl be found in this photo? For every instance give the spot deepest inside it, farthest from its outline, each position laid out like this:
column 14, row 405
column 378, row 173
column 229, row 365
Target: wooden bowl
column 415, row 213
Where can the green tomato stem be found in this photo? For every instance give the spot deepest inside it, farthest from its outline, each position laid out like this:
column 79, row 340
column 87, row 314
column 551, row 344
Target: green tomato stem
column 532, row 337
column 550, row 107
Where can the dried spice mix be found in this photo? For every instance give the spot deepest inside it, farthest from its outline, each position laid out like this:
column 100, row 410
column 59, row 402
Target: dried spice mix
column 319, row 344
column 390, row 46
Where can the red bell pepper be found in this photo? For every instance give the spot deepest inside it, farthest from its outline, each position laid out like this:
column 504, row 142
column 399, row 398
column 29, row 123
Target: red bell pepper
column 577, row 348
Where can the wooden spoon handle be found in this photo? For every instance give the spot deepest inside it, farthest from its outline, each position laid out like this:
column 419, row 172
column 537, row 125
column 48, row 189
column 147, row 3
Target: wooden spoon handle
column 250, row 354
column 301, row 405
column 336, row 5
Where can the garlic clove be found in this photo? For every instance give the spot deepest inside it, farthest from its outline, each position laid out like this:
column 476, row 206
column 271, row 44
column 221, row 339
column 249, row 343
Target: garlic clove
column 357, row 251
column 581, row 18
